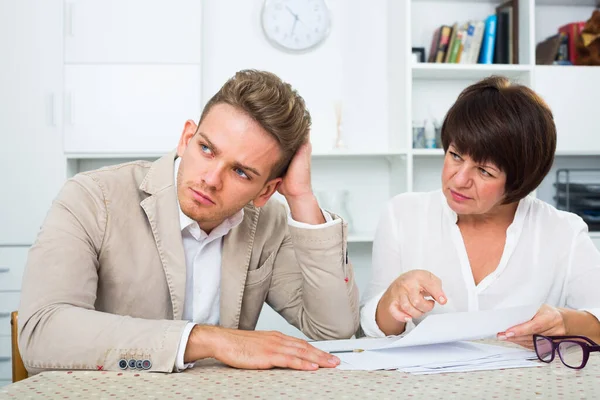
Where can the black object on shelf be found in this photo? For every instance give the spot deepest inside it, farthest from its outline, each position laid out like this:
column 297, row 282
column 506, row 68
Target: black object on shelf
column 578, row 191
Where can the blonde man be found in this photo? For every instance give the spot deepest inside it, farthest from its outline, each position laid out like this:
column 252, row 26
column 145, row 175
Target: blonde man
column 153, row 266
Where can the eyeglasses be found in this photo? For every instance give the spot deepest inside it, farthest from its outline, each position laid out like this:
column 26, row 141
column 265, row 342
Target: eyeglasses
column 574, row 351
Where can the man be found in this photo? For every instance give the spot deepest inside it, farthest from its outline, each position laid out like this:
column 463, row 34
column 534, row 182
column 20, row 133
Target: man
column 153, row 266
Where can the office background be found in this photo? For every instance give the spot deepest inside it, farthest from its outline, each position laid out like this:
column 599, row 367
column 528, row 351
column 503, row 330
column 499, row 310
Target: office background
column 88, row 83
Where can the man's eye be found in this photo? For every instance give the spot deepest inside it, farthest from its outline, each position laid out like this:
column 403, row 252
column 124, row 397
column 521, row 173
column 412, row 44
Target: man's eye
column 241, row 173
column 205, row 149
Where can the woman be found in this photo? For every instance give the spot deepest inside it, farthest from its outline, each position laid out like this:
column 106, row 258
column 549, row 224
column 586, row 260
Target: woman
column 481, row 242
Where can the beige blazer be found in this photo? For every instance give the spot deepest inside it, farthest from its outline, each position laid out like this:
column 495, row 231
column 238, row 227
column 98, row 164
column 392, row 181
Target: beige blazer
column 105, row 279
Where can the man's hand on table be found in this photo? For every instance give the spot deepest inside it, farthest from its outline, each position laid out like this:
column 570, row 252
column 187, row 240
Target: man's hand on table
column 255, row 349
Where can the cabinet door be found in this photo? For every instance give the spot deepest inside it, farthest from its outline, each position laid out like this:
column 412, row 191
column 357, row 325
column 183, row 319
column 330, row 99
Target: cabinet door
column 572, row 95
column 12, row 266
column 32, row 167
column 133, row 31
column 128, row 108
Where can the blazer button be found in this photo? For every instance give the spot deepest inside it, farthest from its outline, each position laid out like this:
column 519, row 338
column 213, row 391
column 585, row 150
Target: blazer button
column 132, row 363
column 146, row 364
column 138, row 364
column 123, row 363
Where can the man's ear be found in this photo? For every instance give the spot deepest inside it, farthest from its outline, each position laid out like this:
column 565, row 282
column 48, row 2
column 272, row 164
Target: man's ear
column 267, row 191
column 189, row 130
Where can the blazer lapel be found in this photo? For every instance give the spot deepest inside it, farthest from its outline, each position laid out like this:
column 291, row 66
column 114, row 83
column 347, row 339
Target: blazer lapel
column 237, row 249
column 162, row 210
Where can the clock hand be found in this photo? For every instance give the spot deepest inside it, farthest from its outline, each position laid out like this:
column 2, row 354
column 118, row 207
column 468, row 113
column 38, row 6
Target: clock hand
column 294, row 26
column 291, row 12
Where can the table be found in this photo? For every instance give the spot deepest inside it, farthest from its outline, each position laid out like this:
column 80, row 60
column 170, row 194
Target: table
column 215, row 381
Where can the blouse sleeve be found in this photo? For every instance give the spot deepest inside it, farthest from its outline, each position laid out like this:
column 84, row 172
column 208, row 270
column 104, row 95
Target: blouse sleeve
column 583, row 286
column 386, row 267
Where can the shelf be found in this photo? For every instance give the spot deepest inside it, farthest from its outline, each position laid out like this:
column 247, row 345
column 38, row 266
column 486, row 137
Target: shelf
column 587, row 3
column 577, row 153
column 359, row 153
column 111, row 155
column 316, row 154
column 360, row 238
column 466, row 71
column 428, row 152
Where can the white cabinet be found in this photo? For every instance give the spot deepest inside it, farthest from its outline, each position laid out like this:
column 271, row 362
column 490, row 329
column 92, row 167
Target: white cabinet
column 133, row 31
column 32, row 167
column 128, row 108
column 571, row 93
column 12, row 266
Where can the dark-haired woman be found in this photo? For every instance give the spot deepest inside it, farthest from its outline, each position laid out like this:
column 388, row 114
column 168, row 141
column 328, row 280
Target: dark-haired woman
column 482, row 242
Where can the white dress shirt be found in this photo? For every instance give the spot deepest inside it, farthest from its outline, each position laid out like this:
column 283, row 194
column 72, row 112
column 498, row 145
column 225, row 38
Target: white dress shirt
column 548, row 258
column 203, row 269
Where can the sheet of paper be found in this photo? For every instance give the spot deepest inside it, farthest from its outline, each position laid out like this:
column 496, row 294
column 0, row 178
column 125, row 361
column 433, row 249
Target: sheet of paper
column 474, row 367
column 441, row 328
column 452, row 327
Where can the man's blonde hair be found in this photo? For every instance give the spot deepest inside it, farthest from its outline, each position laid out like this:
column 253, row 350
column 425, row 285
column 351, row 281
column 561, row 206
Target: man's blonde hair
column 273, row 104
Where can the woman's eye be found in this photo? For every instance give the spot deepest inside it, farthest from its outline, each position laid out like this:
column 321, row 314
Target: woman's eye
column 241, row 173
column 484, row 172
column 205, row 149
column 455, row 156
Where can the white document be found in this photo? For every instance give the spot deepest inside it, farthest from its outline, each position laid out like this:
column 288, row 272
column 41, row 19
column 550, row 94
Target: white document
column 483, row 366
column 441, row 328
column 434, row 356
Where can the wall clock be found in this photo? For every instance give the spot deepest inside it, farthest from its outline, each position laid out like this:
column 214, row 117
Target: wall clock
column 296, row 26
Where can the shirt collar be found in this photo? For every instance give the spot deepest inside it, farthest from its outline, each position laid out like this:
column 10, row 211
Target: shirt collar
column 522, row 210
column 186, row 222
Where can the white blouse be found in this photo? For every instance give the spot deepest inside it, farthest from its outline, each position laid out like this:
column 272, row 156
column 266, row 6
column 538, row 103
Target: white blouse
column 548, row 258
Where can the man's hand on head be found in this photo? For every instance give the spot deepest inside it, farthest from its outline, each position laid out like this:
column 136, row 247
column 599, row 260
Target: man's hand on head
column 297, row 189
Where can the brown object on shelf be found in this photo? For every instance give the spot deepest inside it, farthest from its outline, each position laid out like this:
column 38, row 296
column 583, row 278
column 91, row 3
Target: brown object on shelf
column 588, row 42
column 546, row 51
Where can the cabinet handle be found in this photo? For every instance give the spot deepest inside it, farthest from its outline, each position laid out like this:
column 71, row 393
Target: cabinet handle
column 4, row 359
column 69, row 18
column 4, row 270
column 4, row 314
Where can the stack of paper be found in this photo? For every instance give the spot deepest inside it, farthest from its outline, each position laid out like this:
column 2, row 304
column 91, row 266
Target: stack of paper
column 438, row 345
column 438, row 358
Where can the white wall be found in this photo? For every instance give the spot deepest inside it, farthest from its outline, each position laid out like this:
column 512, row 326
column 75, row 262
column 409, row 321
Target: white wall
column 349, row 66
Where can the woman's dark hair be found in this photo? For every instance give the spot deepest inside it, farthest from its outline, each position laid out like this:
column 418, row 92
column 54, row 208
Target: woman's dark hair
column 508, row 125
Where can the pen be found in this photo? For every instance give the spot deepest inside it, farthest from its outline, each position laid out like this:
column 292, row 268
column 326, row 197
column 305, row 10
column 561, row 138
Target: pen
column 347, row 351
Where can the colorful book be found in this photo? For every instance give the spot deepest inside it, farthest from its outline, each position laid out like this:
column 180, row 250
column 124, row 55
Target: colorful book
column 486, row 56
column 446, row 32
column 451, row 43
column 572, row 30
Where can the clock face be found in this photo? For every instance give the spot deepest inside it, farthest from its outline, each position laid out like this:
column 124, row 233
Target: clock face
column 296, row 25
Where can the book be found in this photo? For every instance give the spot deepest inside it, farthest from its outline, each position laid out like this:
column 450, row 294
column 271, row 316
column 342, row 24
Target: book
column 445, row 33
column 507, row 33
column 451, row 43
column 467, row 42
column 477, row 41
column 486, row 56
column 457, row 45
column 563, row 47
column 434, row 45
column 572, row 30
